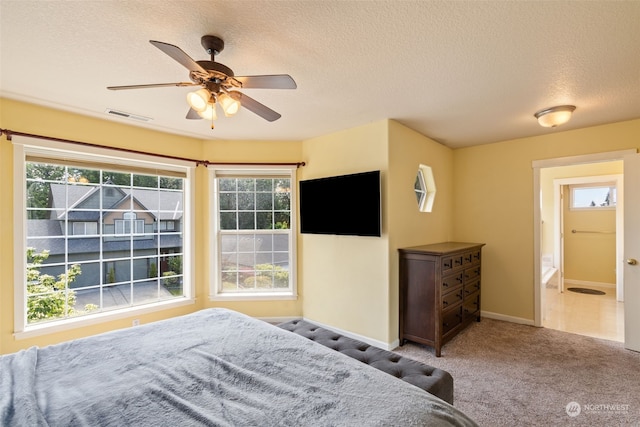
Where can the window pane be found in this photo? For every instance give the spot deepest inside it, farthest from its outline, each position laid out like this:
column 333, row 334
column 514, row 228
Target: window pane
column 254, row 262
column 82, row 176
column 228, row 201
column 246, row 201
column 94, row 242
column 593, row 197
column 228, row 221
column 145, row 181
column 246, row 221
column 116, row 178
column 246, row 184
column 264, row 201
column 264, row 220
column 282, row 220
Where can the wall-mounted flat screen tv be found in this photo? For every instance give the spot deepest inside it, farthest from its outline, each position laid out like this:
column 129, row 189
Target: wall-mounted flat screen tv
column 342, row 205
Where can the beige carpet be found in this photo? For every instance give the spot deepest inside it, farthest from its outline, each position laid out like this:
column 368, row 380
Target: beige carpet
column 507, row 374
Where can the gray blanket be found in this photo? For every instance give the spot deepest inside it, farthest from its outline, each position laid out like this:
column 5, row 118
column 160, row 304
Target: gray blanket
column 214, row 367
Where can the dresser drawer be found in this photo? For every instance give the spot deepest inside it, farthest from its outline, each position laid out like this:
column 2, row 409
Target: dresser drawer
column 452, row 298
column 471, row 286
column 472, row 272
column 471, row 306
column 452, row 282
column 451, row 319
column 452, row 262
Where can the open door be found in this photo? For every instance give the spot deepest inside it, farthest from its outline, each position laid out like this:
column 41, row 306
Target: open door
column 631, row 264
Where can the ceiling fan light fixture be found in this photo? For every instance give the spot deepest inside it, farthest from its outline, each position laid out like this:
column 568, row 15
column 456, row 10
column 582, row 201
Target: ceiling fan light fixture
column 554, row 116
column 199, row 100
column 209, row 113
column 230, row 106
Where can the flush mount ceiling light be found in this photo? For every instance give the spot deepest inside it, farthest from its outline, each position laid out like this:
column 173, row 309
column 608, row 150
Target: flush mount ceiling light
column 554, row 116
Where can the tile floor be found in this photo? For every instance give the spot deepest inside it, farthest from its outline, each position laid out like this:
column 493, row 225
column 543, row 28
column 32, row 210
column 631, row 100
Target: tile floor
column 599, row 316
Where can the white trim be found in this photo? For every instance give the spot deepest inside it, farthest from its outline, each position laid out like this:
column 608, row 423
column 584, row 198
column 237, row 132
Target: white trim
column 537, row 205
column 103, row 317
column 278, row 320
column 19, row 235
column 380, row 344
column 215, row 171
column 46, row 147
column 253, row 296
column 618, row 181
column 22, row 147
column 505, row 318
column 581, row 159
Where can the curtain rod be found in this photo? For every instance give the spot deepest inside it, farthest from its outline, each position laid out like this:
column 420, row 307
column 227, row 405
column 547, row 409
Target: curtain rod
column 10, row 133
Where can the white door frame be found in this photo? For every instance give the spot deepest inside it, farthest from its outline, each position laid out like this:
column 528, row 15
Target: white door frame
column 537, row 218
column 557, row 230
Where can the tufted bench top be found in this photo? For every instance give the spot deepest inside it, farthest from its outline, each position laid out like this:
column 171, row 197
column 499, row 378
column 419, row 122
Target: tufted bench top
column 434, row 380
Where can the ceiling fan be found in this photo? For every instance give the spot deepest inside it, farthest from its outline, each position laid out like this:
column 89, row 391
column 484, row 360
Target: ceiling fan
column 219, row 84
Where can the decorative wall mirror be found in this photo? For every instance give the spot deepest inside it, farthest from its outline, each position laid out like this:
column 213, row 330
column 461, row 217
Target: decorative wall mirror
column 425, row 188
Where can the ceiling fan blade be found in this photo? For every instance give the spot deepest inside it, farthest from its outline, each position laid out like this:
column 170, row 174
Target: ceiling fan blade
column 179, row 84
column 178, row 54
column 193, row 115
column 275, row 81
column 255, row 107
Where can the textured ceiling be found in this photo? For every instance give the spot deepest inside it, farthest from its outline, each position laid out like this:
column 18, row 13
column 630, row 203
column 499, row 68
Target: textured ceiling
column 459, row 72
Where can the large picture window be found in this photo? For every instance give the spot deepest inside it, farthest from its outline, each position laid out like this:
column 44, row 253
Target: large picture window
column 92, row 243
column 253, row 221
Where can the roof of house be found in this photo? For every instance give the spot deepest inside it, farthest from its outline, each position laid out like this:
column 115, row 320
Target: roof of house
column 164, row 204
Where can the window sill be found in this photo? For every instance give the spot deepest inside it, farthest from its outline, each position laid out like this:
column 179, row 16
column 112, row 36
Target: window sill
column 253, row 296
column 79, row 322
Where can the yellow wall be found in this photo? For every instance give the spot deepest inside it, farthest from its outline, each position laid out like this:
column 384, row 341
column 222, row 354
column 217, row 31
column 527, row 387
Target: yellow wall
column 346, row 277
column 484, row 194
column 27, row 118
column 493, row 203
column 407, row 226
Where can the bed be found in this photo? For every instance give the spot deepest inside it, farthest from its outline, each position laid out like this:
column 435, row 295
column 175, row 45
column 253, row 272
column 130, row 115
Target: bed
column 214, row 367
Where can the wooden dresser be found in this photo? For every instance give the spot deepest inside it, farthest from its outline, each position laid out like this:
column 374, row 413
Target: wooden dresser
column 439, row 291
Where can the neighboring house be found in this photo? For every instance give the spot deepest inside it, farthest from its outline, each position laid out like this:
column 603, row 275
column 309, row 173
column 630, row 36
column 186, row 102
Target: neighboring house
column 133, row 232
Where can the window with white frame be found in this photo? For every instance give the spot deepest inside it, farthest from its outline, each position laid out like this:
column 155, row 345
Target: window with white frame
column 85, row 228
column 593, row 196
column 87, row 250
column 253, row 220
column 129, row 224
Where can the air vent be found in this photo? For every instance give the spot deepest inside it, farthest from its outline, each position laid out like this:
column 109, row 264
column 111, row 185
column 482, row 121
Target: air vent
column 127, row 115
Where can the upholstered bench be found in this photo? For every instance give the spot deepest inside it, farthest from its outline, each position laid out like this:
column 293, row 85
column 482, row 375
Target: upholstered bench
column 433, row 380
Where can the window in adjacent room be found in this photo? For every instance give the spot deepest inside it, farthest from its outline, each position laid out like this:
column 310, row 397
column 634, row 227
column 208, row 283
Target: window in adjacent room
column 91, row 247
column 593, row 196
column 253, row 242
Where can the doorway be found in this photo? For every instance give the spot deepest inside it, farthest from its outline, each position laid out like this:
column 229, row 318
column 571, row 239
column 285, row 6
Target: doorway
column 547, row 249
column 583, row 294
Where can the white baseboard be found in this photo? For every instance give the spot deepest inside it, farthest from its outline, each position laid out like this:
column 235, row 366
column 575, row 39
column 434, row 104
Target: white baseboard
column 395, row 343
column 512, row 319
column 589, row 283
column 276, row 320
column 380, row 344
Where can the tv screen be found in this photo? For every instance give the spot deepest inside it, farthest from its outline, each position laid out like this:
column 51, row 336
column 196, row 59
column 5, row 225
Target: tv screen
column 343, row 205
